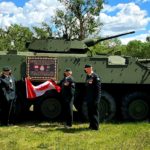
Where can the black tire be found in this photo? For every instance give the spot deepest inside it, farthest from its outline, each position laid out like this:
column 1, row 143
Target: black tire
column 51, row 108
column 107, row 107
column 135, row 107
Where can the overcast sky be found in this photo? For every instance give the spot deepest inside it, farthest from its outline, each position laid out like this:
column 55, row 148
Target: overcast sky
column 117, row 16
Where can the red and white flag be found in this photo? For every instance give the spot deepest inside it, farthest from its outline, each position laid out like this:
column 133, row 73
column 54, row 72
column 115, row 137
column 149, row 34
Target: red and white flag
column 36, row 91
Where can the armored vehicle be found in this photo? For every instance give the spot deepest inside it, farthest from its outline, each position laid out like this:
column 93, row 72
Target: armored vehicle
column 125, row 80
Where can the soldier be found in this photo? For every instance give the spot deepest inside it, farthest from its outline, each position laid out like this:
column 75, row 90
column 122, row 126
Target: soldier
column 93, row 95
column 8, row 96
column 68, row 90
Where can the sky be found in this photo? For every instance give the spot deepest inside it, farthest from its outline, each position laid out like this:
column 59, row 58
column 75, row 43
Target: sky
column 117, row 16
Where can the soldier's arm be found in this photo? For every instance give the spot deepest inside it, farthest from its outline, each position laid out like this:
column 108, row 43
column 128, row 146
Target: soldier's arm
column 97, row 88
column 60, row 82
column 5, row 83
column 72, row 83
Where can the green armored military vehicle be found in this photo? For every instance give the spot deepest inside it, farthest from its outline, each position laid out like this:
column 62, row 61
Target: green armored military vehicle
column 125, row 80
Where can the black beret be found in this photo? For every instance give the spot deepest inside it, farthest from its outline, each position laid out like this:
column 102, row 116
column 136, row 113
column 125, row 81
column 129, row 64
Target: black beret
column 87, row 66
column 6, row 68
column 67, row 69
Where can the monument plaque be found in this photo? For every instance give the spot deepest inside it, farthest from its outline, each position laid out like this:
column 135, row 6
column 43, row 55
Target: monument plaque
column 42, row 68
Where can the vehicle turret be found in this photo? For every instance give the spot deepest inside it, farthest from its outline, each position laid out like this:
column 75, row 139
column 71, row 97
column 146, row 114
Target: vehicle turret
column 66, row 46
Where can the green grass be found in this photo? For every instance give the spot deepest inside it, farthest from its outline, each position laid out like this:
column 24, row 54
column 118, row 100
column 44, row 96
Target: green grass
column 52, row 136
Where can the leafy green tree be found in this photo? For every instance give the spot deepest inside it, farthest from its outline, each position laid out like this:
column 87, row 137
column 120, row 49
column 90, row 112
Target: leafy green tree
column 107, row 47
column 146, row 50
column 134, row 48
column 148, row 39
column 17, row 36
column 79, row 18
column 3, row 42
column 138, row 49
column 44, row 32
column 64, row 26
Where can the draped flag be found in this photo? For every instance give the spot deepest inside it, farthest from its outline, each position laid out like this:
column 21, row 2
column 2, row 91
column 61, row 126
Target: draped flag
column 36, row 91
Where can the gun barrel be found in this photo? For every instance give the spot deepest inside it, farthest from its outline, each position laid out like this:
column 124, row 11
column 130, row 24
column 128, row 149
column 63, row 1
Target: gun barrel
column 93, row 42
column 115, row 36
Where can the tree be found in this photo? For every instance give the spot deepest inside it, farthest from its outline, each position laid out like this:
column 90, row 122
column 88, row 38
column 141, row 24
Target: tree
column 134, row 48
column 64, row 26
column 3, row 43
column 79, row 18
column 148, row 39
column 107, row 47
column 17, row 36
column 44, row 32
column 146, row 49
column 138, row 49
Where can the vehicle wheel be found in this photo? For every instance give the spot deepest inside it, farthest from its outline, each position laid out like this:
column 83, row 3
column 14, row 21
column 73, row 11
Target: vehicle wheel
column 51, row 108
column 135, row 106
column 107, row 107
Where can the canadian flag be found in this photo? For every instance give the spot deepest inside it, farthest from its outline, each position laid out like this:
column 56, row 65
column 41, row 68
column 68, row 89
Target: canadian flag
column 36, row 91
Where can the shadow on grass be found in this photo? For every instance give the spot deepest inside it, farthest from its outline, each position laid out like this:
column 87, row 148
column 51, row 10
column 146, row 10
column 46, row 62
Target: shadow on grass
column 39, row 124
column 72, row 130
column 54, row 126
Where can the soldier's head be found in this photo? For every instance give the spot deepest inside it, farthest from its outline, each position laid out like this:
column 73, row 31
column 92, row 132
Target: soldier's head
column 6, row 70
column 67, row 72
column 88, row 69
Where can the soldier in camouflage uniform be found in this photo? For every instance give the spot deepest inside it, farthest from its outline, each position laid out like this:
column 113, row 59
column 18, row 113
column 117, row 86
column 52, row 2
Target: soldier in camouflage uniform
column 93, row 95
column 8, row 96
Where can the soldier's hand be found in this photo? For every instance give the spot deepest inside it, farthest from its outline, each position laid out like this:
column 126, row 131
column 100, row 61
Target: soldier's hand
column 66, row 83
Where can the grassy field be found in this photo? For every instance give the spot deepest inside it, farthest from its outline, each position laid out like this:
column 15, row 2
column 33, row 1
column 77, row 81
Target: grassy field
column 52, row 136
